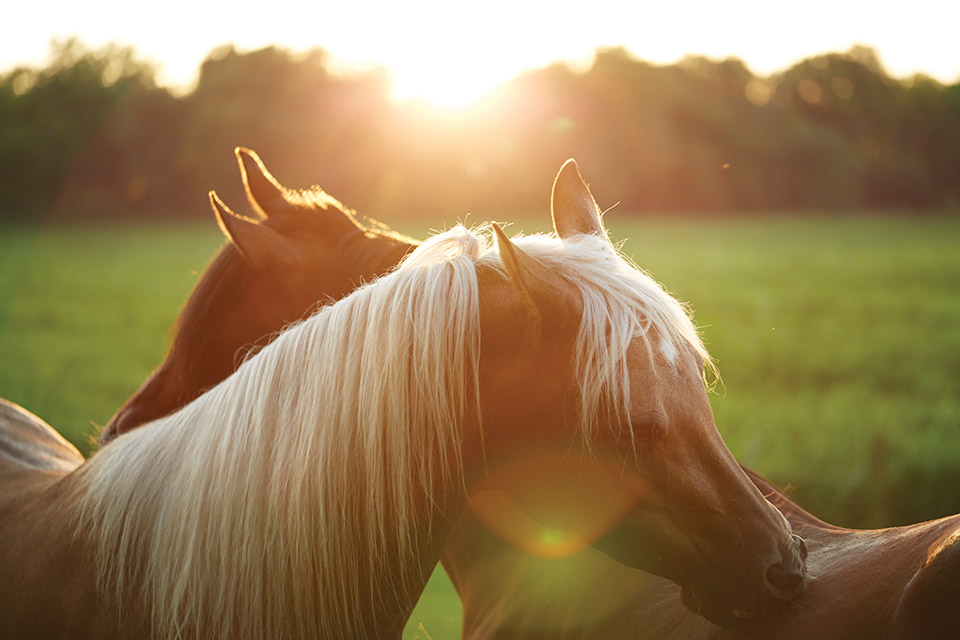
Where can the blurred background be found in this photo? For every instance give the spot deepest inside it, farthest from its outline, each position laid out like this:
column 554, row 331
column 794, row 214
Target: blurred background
column 417, row 111
column 792, row 173
column 91, row 134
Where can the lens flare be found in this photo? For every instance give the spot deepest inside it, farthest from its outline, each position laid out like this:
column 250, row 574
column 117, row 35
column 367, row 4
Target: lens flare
column 566, row 504
column 505, row 519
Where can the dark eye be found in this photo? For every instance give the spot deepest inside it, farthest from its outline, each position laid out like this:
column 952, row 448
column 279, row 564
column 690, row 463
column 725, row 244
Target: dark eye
column 651, row 428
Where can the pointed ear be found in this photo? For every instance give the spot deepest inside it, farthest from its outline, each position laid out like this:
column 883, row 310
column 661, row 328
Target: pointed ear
column 265, row 194
column 259, row 245
column 518, row 266
column 268, row 197
column 541, row 291
column 572, row 205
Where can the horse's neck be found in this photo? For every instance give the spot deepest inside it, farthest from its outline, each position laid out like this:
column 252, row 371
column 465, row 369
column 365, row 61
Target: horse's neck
column 48, row 588
column 508, row 593
column 388, row 618
column 364, row 256
column 837, row 549
column 46, row 564
column 800, row 519
column 859, row 576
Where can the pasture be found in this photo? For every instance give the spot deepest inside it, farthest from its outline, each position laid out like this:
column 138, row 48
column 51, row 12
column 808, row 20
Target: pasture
column 837, row 339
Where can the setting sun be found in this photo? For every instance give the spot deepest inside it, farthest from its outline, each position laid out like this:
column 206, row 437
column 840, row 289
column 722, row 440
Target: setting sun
column 448, row 54
column 460, row 63
column 443, row 85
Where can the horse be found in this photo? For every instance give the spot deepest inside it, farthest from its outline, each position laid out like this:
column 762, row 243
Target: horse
column 303, row 248
column 507, row 592
column 333, row 463
column 29, row 442
column 887, row 583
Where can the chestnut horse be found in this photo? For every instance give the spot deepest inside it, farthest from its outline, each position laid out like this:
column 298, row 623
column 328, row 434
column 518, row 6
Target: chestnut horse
column 507, row 592
column 305, row 248
column 333, row 463
column 900, row 582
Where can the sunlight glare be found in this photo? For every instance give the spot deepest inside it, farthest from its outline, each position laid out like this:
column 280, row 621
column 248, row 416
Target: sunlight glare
column 503, row 517
column 594, row 501
column 449, row 85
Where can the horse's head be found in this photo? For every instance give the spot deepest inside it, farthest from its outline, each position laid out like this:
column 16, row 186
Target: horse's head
column 304, row 248
column 642, row 471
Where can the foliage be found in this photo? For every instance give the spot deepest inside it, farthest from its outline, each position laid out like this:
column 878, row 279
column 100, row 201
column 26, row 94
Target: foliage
column 91, row 135
column 50, row 115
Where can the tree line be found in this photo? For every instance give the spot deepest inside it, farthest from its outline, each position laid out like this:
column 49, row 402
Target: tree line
column 93, row 135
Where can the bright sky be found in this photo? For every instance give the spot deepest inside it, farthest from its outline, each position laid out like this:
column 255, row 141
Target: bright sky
column 450, row 51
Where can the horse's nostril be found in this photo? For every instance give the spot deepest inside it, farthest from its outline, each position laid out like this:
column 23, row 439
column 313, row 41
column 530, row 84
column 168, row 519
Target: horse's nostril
column 786, row 580
column 801, row 546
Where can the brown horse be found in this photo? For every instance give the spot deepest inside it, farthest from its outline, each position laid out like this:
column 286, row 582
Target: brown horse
column 897, row 582
column 304, row 249
column 507, row 592
column 332, row 464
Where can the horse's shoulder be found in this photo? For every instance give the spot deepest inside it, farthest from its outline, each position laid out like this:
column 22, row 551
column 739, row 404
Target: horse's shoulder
column 29, row 443
column 928, row 605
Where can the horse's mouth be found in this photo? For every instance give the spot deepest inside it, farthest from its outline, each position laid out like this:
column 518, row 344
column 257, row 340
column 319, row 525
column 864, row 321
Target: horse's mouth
column 715, row 611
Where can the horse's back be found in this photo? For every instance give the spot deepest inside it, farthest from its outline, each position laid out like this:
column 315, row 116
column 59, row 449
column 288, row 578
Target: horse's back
column 928, row 606
column 29, row 443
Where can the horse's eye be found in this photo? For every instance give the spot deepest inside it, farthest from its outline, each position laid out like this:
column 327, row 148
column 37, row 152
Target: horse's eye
column 651, row 428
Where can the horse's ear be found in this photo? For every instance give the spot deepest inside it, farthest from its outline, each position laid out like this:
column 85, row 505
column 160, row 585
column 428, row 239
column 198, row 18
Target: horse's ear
column 260, row 246
column 269, row 197
column 519, row 268
column 542, row 292
column 265, row 194
column 572, row 205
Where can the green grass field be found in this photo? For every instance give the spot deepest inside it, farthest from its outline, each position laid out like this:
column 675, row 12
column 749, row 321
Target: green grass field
column 838, row 340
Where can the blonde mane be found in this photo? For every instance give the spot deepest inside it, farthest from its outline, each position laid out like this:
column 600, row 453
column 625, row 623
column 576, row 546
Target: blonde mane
column 268, row 507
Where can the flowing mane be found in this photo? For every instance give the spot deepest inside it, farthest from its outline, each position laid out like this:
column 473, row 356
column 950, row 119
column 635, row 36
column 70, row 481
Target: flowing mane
column 620, row 302
column 326, row 441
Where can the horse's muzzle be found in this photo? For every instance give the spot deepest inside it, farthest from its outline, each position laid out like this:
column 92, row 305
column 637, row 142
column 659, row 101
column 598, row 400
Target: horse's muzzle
column 787, row 579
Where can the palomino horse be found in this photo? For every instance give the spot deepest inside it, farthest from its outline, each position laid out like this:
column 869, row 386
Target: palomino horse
column 507, row 592
column 333, row 463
